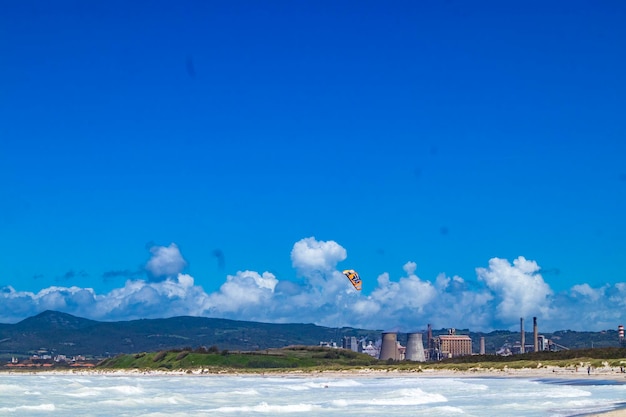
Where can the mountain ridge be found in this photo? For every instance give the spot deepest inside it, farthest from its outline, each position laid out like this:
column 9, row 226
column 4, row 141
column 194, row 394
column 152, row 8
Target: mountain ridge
column 62, row 333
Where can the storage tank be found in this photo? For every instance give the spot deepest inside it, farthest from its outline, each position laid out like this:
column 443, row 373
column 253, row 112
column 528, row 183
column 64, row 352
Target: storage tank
column 415, row 348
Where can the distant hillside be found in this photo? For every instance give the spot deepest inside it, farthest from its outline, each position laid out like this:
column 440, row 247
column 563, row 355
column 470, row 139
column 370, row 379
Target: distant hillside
column 60, row 333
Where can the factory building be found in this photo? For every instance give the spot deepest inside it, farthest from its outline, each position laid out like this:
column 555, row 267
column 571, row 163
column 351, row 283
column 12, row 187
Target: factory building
column 372, row 350
column 453, row 345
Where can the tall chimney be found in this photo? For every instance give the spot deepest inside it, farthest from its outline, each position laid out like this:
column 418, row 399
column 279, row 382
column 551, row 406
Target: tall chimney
column 429, row 342
column 415, row 348
column 523, row 341
column 536, row 334
column 482, row 345
column 620, row 333
column 389, row 348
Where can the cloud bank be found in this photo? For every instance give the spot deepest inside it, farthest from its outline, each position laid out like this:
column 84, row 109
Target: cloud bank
column 322, row 295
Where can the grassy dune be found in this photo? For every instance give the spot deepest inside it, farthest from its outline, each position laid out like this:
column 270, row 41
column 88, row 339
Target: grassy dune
column 306, row 358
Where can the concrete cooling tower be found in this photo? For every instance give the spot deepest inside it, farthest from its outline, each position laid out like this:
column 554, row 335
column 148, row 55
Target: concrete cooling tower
column 415, row 348
column 389, row 348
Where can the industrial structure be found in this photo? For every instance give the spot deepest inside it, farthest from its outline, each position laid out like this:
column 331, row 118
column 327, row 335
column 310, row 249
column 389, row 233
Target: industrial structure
column 389, row 348
column 540, row 343
column 523, row 335
column 350, row 343
column 452, row 345
column 415, row 348
column 535, row 334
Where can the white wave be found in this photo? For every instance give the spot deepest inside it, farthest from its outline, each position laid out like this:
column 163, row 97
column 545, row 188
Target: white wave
column 445, row 410
column 467, row 386
column 124, row 389
column 250, row 392
column 41, row 407
column 6, row 388
column 301, row 387
column 140, row 401
column 588, row 406
column 401, row 397
column 162, row 414
column 566, row 393
column 80, row 391
column 324, row 384
column 409, row 396
column 268, row 408
column 340, row 403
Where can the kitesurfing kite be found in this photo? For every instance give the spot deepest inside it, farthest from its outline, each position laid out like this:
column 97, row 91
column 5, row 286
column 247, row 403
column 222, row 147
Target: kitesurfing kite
column 354, row 278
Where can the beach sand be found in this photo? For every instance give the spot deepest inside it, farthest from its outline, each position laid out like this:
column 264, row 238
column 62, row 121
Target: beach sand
column 548, row 372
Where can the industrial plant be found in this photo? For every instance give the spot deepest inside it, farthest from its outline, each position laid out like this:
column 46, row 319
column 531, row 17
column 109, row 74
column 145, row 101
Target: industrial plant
column 450, row 345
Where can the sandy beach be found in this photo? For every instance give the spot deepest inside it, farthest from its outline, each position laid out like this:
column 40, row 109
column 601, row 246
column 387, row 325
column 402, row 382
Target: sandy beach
column 547, row 372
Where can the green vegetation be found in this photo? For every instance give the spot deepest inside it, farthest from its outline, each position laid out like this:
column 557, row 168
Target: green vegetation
column 290, row 358
column 563, row 355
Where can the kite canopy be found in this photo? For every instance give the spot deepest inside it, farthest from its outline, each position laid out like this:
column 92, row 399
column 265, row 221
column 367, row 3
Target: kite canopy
column 354, row 278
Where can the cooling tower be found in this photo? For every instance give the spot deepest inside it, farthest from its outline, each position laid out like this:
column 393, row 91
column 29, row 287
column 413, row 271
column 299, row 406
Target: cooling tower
column 389, row 348
column 415, row 348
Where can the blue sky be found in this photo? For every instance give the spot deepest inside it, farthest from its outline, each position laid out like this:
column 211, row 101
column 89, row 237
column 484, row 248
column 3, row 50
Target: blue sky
column 229, row 159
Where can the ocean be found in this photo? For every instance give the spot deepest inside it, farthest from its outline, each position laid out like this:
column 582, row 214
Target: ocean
column 217, row 395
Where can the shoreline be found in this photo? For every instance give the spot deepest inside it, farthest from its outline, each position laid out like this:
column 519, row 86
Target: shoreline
column 547, row 373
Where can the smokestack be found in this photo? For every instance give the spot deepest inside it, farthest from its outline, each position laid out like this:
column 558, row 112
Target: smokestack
column 429, row 342
column 523, row 341
column 482, row 345
column 620, row 333
column 415, row 348
column 536, row 334
column 389, row 348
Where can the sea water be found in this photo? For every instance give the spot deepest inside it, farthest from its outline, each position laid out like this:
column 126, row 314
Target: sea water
column 216, row 395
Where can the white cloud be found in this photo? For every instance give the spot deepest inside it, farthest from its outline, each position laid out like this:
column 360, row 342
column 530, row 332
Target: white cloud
column 585, row 290
column 245, row 294
column 519, row 287
column 503, row 293
column 312, row 255
column 166, row 261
